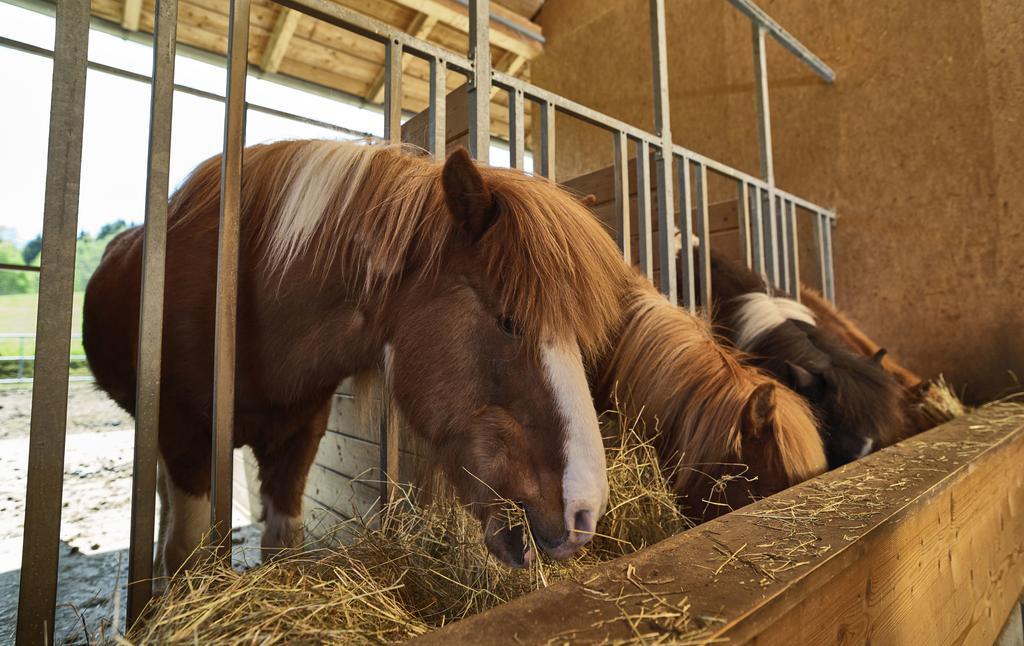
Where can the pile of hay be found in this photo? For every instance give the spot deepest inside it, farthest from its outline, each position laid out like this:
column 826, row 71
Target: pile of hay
column 411, row 571
column 937, row 403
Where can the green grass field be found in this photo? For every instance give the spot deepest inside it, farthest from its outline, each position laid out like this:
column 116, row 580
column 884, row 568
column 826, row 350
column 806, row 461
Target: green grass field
column 18, row 316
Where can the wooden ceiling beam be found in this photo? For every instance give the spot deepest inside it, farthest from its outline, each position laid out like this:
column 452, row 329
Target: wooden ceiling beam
column 511, row 63
column 455, row 15
column 132, row 14
column 420, row 27
column 277, row 45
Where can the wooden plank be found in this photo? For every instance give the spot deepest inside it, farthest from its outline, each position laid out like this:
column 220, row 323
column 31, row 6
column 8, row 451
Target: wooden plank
column 510, row 63
column 280, row 37
column 357, row 458
column 919, row 543
column 455, row 15
column 420, row 28
column 132, row 13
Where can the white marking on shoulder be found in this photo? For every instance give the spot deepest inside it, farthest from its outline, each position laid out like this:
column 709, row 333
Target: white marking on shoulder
column 759, row 313
column 585, row 479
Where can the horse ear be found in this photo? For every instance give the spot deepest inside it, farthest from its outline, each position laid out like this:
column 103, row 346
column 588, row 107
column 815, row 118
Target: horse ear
column 466, row 194
column 800, row 377
column 759, row 411
column 879, row 356
column 588, row 200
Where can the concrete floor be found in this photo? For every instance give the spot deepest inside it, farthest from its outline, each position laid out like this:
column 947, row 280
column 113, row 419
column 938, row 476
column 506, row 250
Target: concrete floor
column 94, row 523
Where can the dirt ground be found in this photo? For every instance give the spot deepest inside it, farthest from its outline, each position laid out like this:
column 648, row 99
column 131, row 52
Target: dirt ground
column 96, row 511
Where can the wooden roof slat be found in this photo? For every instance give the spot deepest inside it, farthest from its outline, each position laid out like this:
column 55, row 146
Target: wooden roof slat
column 420, row 27
column 455, row 15
column 132, row 13
column 280, row 37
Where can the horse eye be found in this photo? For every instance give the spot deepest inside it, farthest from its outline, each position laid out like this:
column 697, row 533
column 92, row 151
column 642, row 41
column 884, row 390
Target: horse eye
column 509, row 326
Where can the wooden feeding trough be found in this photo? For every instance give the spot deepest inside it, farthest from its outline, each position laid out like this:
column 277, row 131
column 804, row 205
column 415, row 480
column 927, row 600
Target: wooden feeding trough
column 919, row 543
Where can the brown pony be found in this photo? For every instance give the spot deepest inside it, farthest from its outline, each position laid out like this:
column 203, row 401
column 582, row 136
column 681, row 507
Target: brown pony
column 479, row 290
column 726, row 433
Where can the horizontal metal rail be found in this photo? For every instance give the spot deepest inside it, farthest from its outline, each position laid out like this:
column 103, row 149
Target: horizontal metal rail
column 184, row 89
column 9, row 267
column 758, row 16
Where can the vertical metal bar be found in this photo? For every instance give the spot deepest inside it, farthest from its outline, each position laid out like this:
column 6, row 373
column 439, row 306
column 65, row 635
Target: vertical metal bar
column 393, row 91
column 830, row 282
column 225, row 326
column 622, row 195
column 820, row 222
column 758, row 241
column 516, row 128
column 743, row 215
column 704, row 234
column 686, row 235
column 794, row 258
column 480, row 87
column 547, row 140
column 764, row 120
column 38, row 589
column 663, row 155
column 780, row 214
column 643, row 207
column 151, row 312
column 437, row 135
column 771, row 229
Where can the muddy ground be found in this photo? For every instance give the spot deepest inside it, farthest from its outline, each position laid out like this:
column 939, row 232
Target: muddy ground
column 96, row 511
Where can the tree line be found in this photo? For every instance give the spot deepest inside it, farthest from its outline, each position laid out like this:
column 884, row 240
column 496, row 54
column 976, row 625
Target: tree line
column 88, row 252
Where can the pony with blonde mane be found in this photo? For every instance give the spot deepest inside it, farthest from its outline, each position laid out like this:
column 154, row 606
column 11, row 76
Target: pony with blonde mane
column 726, row 433
column 480, row 291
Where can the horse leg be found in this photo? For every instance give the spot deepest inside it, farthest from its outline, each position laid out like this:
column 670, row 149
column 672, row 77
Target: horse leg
column 159, row 571
column 283, row 471
column 184, row 485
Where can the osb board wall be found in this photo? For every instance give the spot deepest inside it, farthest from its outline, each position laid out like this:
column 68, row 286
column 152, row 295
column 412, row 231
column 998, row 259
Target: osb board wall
column 917, row 146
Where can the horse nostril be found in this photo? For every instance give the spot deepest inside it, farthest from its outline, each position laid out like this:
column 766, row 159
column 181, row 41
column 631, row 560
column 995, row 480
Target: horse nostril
column 584, row 525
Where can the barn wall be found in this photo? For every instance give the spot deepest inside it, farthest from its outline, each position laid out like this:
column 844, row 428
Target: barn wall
column 917, row 146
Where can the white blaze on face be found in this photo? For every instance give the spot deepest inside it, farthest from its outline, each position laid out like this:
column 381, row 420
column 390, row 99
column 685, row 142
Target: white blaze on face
column 585, row 480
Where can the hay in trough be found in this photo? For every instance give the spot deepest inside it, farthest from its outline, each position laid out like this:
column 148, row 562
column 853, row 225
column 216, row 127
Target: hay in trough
column 408, row 570
column 938, row 403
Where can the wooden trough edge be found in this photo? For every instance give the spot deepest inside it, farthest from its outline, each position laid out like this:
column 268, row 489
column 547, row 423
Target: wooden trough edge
column 922, row 543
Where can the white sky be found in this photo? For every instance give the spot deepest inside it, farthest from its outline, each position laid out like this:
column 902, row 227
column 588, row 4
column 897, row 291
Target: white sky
column 117, row 122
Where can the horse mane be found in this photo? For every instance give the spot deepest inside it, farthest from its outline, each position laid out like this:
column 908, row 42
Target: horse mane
column 669, row 370
column 378, row 211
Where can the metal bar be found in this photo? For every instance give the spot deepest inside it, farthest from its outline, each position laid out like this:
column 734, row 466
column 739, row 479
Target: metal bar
column 794, row 258
column 480, row 81
column 663, row 154
column 743, row 215
column 771, row 230
column 516, row 128
column 625, row 239
column 227, row 279
column 704, row 234
column 151, row 312
column 784, row 38
column 393, row 91
column 758, row 242
column 547, row 140
column 764, row 119
column 643, row 207
column 10, row 267
column 820, row 222
column 686, row 235
column 830, row 277
column 184, row 89
column 38, row 588
column 783, row 229
column 437, row 137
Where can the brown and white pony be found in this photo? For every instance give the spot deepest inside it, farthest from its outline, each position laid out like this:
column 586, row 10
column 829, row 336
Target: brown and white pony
column 726, row 433
column 482, row 290
column 859, row 405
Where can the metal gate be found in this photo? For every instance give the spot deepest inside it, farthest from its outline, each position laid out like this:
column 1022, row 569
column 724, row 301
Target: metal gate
column 766, row 214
